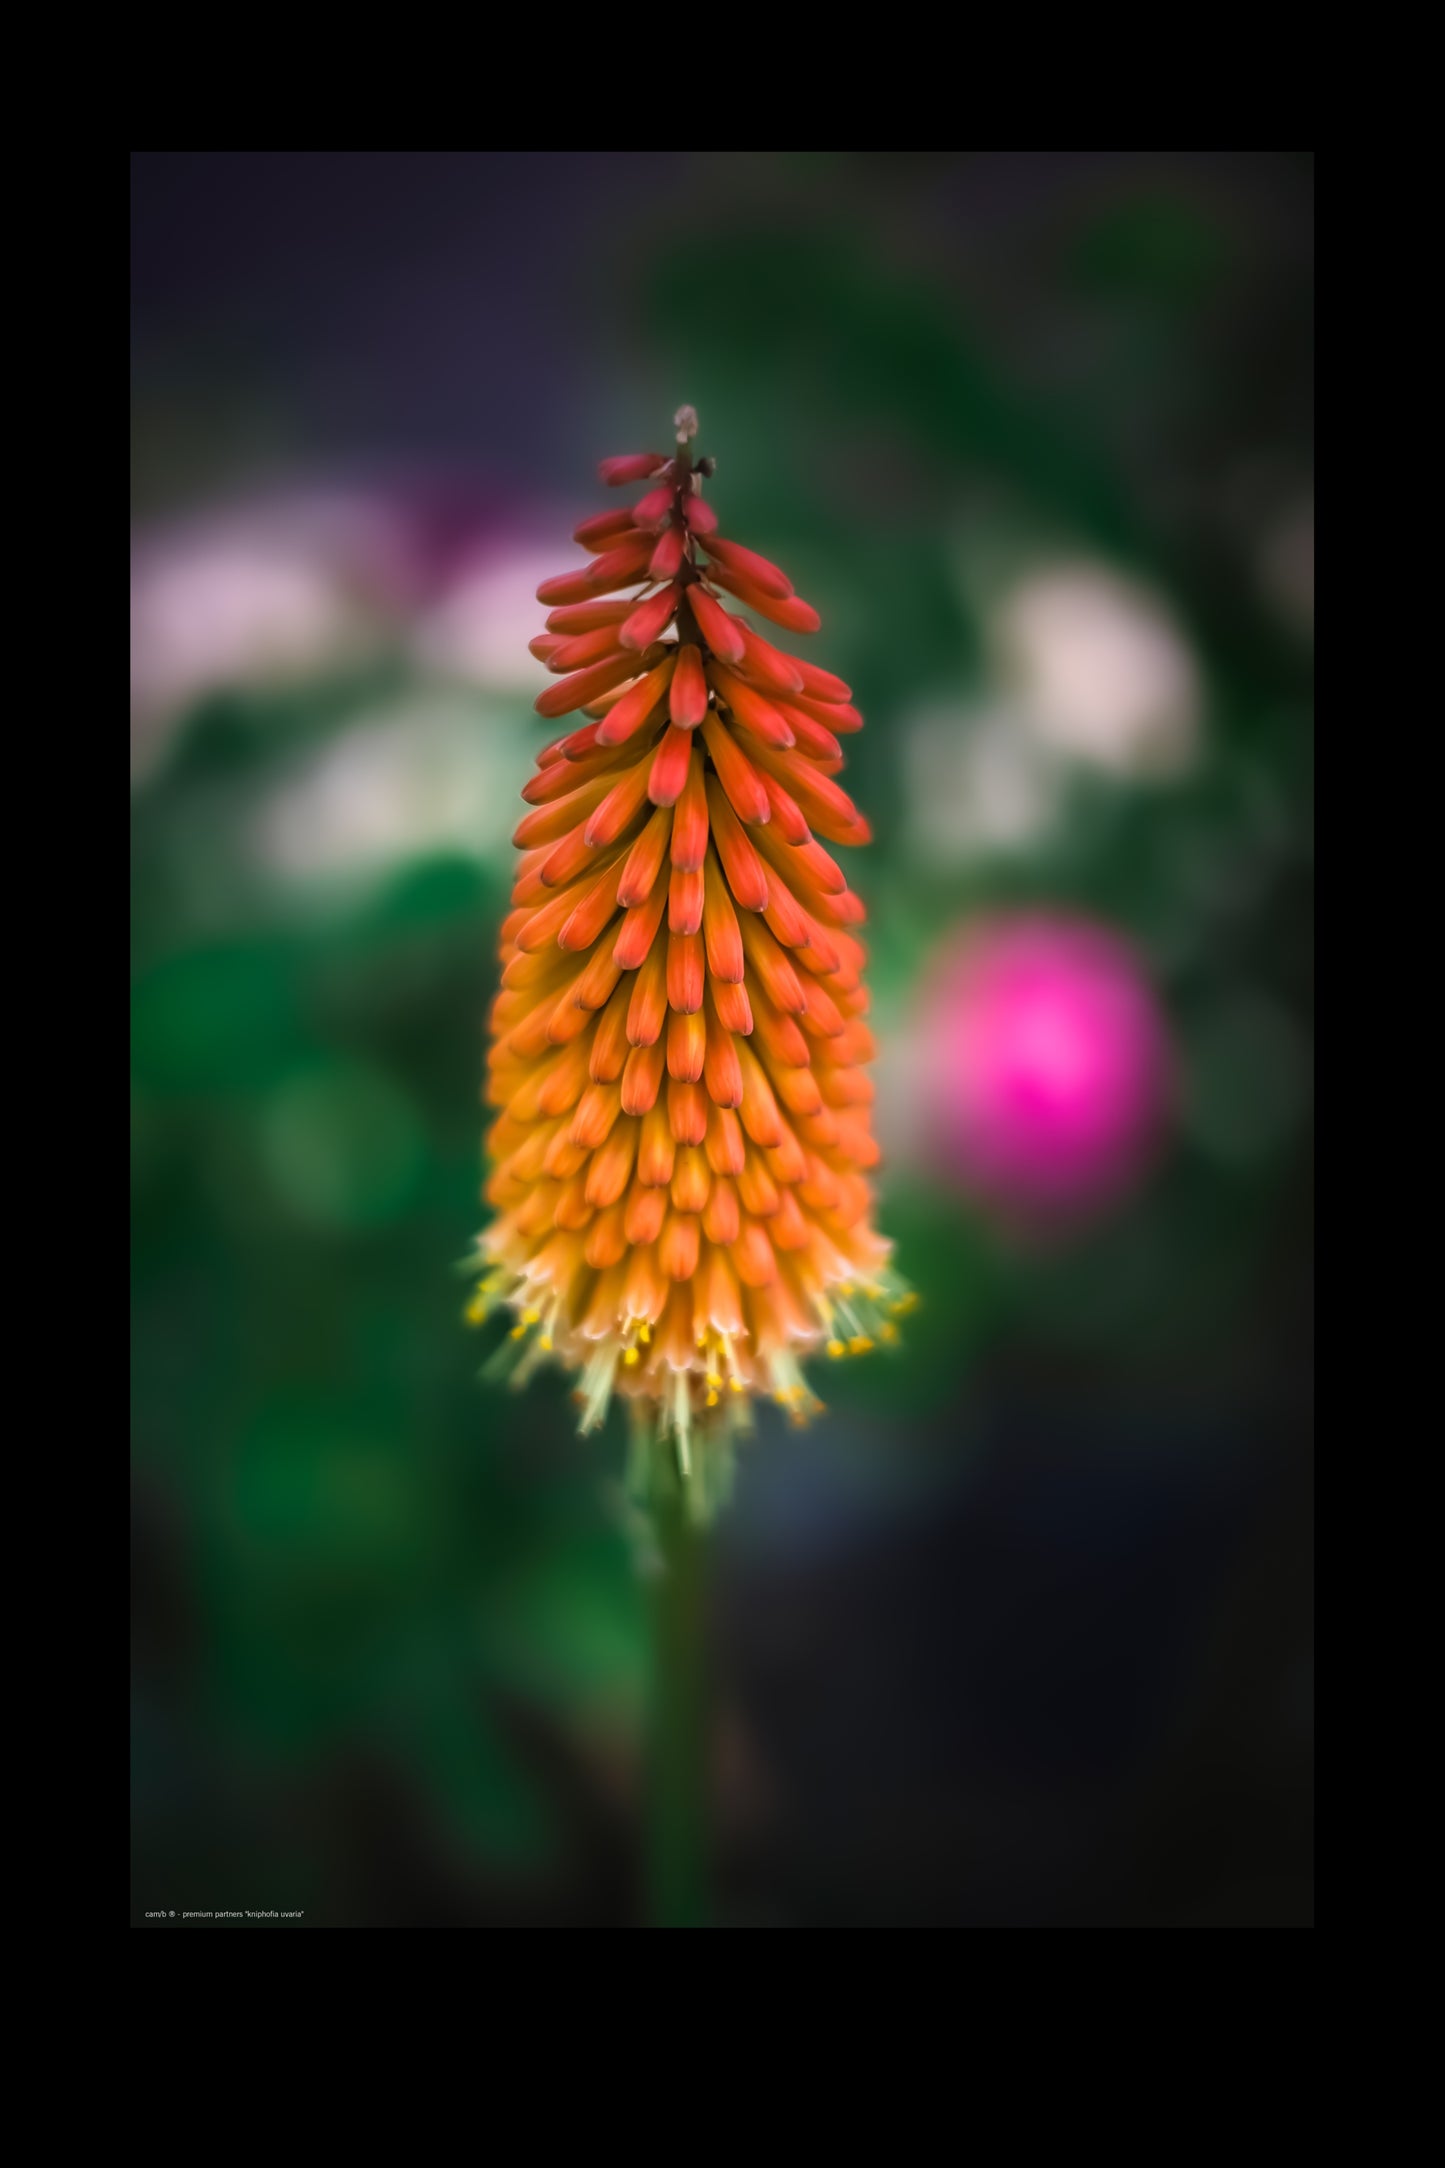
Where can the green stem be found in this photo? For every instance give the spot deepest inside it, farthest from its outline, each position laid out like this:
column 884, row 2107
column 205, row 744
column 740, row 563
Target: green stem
column 676, row 1819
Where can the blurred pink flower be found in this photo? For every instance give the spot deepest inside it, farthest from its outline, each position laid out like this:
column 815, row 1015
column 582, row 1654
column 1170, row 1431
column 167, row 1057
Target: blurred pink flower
column 1046, row 1066
column 281, row 587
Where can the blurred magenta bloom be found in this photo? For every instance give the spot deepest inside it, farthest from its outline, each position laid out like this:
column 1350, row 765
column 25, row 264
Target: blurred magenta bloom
column 1047, row 1066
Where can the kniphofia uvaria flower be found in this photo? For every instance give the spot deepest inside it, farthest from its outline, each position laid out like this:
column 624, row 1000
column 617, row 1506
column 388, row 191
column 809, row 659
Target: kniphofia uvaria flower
column 680, row 1157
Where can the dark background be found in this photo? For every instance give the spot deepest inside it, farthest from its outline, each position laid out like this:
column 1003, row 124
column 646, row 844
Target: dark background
column 1019, row 1634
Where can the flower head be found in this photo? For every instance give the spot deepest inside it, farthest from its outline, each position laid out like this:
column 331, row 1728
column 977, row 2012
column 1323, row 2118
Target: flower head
column 679, row 1163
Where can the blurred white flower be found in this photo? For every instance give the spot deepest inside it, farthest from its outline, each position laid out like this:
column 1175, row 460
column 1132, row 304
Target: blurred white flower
column 434, row 772
column 479, row 629
column 258, row 594
column 1100, row 671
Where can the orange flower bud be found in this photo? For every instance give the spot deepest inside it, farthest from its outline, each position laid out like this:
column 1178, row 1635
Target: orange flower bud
column 746, row 875
column 684, row 901
column 644, row 860
column 617, row 567
column 734, row 1010
column 652, row 510
column 645, row 1211
column 623, row 802
column 752, row 1256
column 793, row 614
column 721, row 1070
column 832, row 714
column 821, row 684
column 610, row 1046
column 686, row 1046
column 687, row 694
column 668, row 773
column 721, row 934
column 726, row 1148
column 644, row 624
column 691, row 1179
column 584, row 648
column 610, row 1169
column 725, row 635
column 642, row 1079
column 657, row 1149
column 690, row 822
column 666, row 560
column 647, row 1008
column 602, row 527
column 765, row 667
column 629, row 467
column 738, row 780
column 687, row 1108
column 639, row 928
column 686, row 962
column 679, row 1244
column 636, row 705
column 721, row 1218
column 749, row 707
column 748, row 565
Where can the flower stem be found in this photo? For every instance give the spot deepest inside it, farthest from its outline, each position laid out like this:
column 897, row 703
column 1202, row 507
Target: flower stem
column 676, row 1804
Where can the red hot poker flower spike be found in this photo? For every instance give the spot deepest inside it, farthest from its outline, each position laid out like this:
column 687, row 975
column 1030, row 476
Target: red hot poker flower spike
column 682, row 1121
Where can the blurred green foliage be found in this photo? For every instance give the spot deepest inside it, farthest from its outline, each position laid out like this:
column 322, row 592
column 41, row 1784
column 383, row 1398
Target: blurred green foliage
column 368, row 1561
